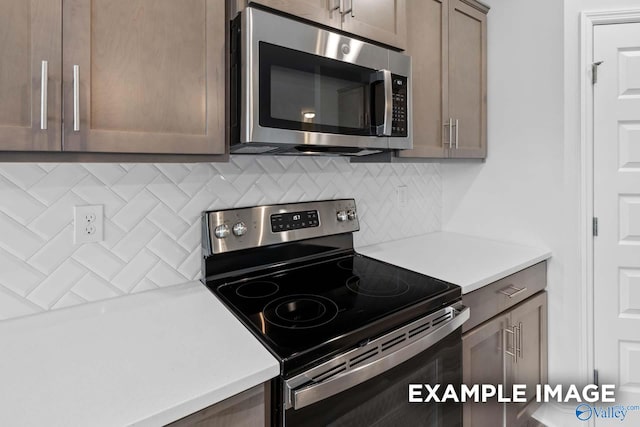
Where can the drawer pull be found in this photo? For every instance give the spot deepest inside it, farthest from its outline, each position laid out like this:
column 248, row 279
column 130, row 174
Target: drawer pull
column 511, row 291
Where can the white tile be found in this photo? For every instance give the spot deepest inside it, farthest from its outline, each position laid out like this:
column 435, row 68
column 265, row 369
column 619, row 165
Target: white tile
column 135, row 240
column 17, row 239
column 57, row 182
column 93, row 288
column 107, row 173
column 135, row 210
column 68, row 300
column 168, row 250
column 93, row 192
column 12, row 305
column 152, row 212
column 134, row 181
column 191, row 240
column 24, row 175
column 191, row 267
column 58, row 216
column 197, row 178
column 169, row 193
column 99, row 260
column 113, row 235
column 57, row 284
column 144, row 285
column 163, row 275
column 18, row 204
column 134, row 271
column 54, row 252
column 16, row 275
column 168, row 221
column 175, row 172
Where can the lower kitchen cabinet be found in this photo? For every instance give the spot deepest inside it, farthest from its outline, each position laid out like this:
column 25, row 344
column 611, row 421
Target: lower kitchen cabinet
column 508, row 348
column 484, row 362
column 245, row 409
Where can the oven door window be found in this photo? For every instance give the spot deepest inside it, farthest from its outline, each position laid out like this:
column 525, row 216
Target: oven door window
column 383, row 400
column 301, row 91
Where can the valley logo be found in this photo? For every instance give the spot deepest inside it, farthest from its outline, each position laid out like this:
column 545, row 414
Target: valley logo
column 585, row 412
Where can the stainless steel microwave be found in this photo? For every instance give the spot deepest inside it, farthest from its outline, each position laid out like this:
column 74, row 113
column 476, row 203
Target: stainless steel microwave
column 300, row 89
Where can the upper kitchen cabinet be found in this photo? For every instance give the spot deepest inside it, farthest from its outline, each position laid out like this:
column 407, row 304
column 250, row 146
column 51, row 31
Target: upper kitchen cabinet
column 468, row 78
column 143, row 76
column 383, row 21
column 30, row 102
column 447, row 40
column 320, row 11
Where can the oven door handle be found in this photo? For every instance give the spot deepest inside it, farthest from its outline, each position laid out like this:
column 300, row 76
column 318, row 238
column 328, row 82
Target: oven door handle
column 308, row 395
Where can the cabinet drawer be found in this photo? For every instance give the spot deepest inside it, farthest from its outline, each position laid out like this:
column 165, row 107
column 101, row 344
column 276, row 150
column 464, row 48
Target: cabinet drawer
column 498, row 296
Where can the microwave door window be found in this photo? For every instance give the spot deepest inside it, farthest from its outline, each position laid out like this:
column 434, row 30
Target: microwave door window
column 300, row 91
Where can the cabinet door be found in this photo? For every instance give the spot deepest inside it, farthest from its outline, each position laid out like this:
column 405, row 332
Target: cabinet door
column 244, row 409
column 426, row 43
column 324, row 12
column 530, row 319
column 150, row 76
column 384, row 21
column 30, row 33
column 484, row 361
column 468, row 79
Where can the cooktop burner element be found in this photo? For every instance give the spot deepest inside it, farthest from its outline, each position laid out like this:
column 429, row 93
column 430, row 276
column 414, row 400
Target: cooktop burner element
column 300, row 311
column 346, row 264
column 382, row 286
column 257, row 289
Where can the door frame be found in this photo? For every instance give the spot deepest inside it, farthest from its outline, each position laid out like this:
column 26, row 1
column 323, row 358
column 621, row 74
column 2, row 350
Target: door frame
column 588, row 20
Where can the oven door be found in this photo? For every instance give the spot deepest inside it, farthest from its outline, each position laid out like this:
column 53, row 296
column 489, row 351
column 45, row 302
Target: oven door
column 309, row 87
column 371, row 388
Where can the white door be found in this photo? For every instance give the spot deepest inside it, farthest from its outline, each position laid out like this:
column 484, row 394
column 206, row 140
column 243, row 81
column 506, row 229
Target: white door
column 617, row 207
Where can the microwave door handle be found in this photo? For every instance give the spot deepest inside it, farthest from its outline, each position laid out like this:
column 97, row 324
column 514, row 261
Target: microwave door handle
column 385, row 128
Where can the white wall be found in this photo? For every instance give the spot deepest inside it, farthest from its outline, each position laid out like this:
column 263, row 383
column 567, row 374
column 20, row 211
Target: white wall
column 152, row 218
column 517, row 194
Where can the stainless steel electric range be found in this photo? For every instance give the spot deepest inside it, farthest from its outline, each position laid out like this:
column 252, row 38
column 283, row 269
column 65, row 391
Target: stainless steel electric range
column 350, row 332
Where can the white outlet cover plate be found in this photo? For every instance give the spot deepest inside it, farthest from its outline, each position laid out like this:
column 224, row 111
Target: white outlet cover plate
column 88, row 224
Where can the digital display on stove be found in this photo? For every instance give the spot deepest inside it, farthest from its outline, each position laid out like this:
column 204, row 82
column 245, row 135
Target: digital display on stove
column 294, row 221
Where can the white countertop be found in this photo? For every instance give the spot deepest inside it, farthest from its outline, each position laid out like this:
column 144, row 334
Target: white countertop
column 468, row 261
column 144, row 359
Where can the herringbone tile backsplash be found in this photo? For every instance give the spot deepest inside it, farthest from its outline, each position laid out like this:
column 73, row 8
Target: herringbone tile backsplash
column 152, row 218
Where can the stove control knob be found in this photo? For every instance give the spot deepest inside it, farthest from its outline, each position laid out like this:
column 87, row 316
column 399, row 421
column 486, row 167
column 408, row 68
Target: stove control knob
column 351, row 214
column 221, row 231
column 342, row 216
column 239, row 229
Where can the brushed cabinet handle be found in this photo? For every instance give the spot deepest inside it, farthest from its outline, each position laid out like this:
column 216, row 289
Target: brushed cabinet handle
column 351, row 10
column 519, row 340
column 457, row 128
column 338, row 6
column 44, row 89
column 450, row 126
column 76, row 98
column 506, row 349
column 511, row 291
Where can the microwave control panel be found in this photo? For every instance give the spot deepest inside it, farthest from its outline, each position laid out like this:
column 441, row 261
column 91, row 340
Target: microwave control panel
column 399, row 124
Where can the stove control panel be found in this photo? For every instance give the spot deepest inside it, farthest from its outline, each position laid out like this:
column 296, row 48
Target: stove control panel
column 294, row 220
column 244, row 228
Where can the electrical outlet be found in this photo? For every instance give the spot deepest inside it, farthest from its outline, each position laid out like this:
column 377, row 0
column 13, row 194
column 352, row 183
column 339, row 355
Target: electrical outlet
column 402, row 196
column 88, row 224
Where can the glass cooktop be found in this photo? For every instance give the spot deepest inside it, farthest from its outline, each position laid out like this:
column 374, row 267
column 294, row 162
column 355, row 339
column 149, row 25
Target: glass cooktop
column 324, row 307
